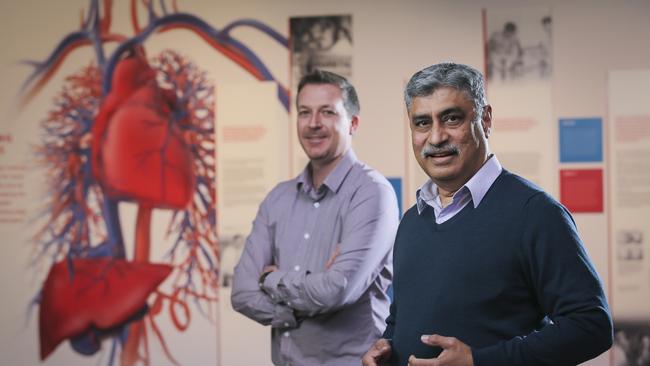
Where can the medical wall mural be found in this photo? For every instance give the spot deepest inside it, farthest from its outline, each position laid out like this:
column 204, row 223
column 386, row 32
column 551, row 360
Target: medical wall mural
column 131, row 126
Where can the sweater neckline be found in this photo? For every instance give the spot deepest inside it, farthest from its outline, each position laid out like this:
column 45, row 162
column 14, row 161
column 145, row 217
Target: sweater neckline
column 429, row 214
column 468, row 210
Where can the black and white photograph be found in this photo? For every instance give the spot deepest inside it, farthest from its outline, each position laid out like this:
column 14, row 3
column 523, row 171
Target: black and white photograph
column 519, row 47
column 321, row 42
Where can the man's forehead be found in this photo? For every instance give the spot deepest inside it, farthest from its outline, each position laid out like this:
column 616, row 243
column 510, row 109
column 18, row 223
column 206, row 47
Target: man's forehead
column 323, row 87
column 319, row 105
column 442, row 98
column 321, row 95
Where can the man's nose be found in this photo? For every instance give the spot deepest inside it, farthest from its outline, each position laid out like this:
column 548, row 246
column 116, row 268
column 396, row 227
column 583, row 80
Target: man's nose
column 315, row 121
column 438, row 134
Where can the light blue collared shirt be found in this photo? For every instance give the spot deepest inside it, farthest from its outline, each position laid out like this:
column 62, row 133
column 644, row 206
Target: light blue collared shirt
column 474, row 190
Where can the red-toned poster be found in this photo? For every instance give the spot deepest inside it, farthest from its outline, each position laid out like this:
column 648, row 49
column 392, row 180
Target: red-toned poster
column 581, row 190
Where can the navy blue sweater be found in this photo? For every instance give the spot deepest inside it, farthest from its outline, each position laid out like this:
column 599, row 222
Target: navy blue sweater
column 509, row 278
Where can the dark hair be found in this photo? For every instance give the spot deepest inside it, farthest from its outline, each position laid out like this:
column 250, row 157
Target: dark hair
column 510, row 27
column 350, row 99
column 447, row 74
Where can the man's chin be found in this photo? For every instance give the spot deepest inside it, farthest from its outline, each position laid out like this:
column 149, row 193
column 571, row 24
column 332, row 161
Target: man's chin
column 315, row 155
column 430, row 164
column 441, row 173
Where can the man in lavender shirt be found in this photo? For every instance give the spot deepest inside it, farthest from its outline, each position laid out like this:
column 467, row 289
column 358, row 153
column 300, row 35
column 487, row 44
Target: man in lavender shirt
column 318, row 261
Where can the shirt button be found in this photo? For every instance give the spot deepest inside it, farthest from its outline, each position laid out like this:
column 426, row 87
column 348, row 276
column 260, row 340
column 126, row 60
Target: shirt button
column 296, row 268
column 288, row 303
column 316, row 204
column 286, row 324
column 285, row 334
column 306, row 235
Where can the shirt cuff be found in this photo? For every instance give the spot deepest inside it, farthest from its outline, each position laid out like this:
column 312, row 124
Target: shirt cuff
column 270, row 285
column 283, row 317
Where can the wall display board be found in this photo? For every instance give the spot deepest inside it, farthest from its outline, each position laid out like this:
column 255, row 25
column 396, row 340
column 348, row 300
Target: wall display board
column 581, row 190
column 581, row 140
column 629, row 182
column 519, row 69
column 251, row 159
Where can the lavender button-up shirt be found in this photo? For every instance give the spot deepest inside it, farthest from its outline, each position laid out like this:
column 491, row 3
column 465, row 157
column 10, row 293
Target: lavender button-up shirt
column 474, row 190
column 321, row 313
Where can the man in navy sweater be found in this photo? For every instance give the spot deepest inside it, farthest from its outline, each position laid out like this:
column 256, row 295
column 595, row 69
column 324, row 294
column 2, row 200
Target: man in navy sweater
column 488, row 268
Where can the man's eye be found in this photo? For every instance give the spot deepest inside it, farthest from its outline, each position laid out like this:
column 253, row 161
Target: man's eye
column 303, row 113
column 328, row 112
column 453, row 118
column 421, row 123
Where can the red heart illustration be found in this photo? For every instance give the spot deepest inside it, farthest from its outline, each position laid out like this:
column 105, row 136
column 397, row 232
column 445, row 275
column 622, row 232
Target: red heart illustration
column 139, row 151
column 99, row 293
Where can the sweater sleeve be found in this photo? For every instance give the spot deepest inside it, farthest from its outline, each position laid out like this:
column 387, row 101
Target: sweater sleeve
column 568, row 291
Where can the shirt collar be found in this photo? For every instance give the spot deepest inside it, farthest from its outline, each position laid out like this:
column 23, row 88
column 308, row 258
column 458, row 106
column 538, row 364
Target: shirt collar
column 478, row 185
column 334, row 180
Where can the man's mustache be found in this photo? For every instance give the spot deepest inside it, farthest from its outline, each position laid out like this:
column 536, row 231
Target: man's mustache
column 432, row 150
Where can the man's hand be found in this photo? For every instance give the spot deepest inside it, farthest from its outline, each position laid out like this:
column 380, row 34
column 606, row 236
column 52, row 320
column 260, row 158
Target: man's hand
column 337, row 251
column 454, row 352
column 270, row 268
column 265, row 272
column 378, row 354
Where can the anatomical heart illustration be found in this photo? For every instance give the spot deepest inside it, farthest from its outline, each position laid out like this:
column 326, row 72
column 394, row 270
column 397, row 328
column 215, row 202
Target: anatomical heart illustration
column 138, row 127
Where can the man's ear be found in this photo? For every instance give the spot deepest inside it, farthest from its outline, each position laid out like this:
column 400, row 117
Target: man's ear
column 354, row 124
column 486, row 120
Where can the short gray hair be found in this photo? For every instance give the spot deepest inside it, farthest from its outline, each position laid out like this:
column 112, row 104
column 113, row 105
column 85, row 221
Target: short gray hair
column 447, row 74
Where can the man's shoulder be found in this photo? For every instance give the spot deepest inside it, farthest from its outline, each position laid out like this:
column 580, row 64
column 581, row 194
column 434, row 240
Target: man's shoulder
column 282, row 190
column 364, row 175
column 527, row 192
column 411, row 213
column 515, row 184
column 362, row 182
